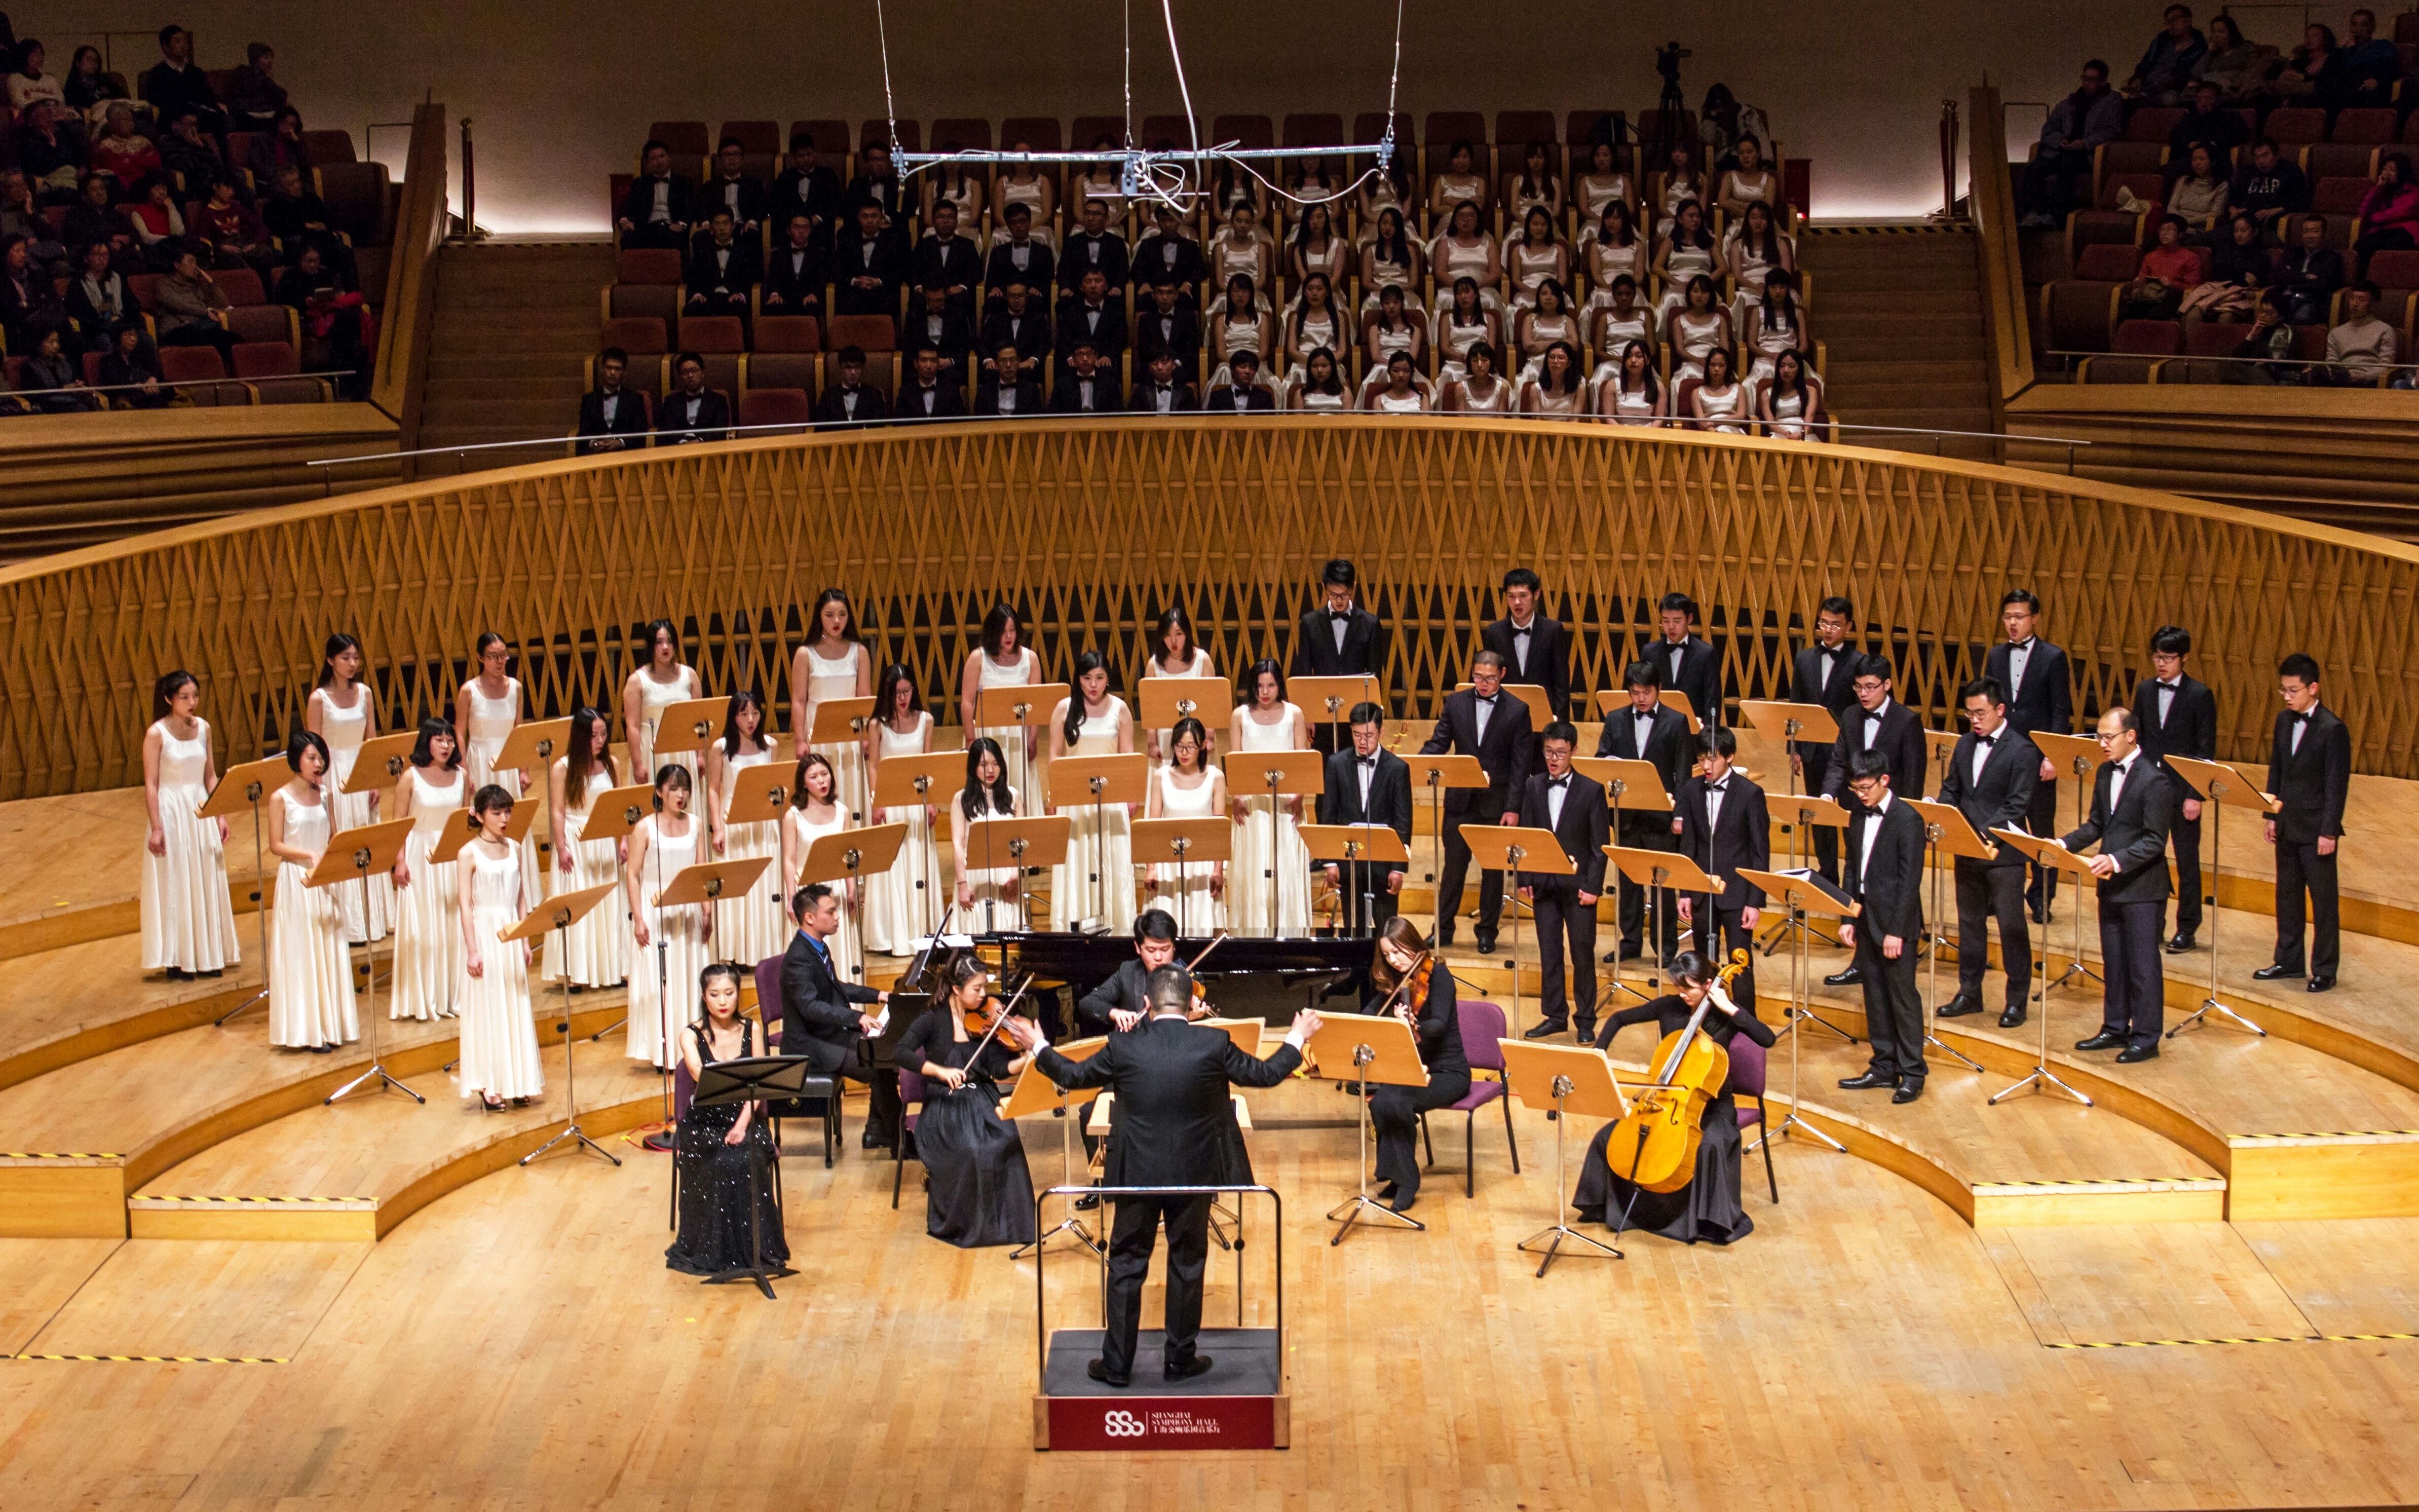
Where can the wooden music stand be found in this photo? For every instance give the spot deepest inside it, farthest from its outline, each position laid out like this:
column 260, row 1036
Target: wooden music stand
column 842, row 722
column 531, row 747
column 1183, row 844
column 1167, row 700
column 2047, row 852
column 685, row 728
column 617, row 811
column 909, row 781
column 1939, row 746
column 462, row 827
column 1952, row 838
column 1804, row 893
column 1036, row 1094
column 1022, row 844
column 1019, row 705
column 1660, row 872
column 1791, row 724
column 1367, row 846
column 854, row 854
column 2222, row 787
column 1275, row 773
column 351, row 856
column 380, row 762
column 1512, row 850
column 1798, row 813
column 242, row 790
column 559, row 913
column 1567, row 1079
column 1435, row 774
column 1331, row 698
column 1097, row 782
column 1366, row 1049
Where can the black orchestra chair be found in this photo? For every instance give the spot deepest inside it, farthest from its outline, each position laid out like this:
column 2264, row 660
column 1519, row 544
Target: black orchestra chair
column 1746, row 1080
column 1482, row 1029
column 910, row 1097
column 819, row 1095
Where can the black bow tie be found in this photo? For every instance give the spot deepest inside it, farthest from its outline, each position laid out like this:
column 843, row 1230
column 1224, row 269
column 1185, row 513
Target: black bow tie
column 2171, row 687
column 2297, row 718
column 1368, row 761
column 1988, row 740
column 1558, row 781
column 1339, row 616
column 1487, row 699
column 1722, row 786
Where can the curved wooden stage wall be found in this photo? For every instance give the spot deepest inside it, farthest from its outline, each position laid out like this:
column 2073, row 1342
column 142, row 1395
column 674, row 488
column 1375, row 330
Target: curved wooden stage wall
column 1095, row 526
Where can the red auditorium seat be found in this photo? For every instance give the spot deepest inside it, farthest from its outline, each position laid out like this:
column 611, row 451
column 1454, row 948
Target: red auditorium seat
column 2296, row 126
column 2363, row 124
column 639, row 335
column 1040, row 133
column 2153, row 123
column 1254, row 133
column 1314, row 130
column 784, row 355
column 831, row 141
column 873, row 333
column 271, row 367
column 972, row 134
column 2339, row 197
column 774, row 406
column 192, row 366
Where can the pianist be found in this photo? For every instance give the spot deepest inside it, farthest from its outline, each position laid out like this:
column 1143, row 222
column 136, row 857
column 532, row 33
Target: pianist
column 824, row 1017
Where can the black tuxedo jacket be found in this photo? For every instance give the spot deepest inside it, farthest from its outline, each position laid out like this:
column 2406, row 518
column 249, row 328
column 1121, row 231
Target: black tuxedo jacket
column 795, row 280
column 1390, row 792
column 1700, row 677
column 2004, row 795
column 1038, row 273
column 956, row 340
column 1028, row 397
column 1177, row 332
column 1503, row 751
column 848, row 256
column 1029, row 333
column 629, row 417
column 1901, row 743
column 1175, row 257
column 2134, row 831
column 2312, row 783
column 1315, row 654
column 814, row 1003
column 1838, row 695
column 1107, row 398
column 1891, row 888
column 1222, row 400
column 680, row 202
column 1174, row 1106
column 745, row 270
column 2046, row 702
column 948, row 399
column 816, row 192
column 2190, row 728
column 1146, row 398
column 871, row 406
column 1549, row 658
column 956, row 263
column 1585, row 830
column 1104, row 328
column 719, row 192
column 674, row 427
column 1667, row 744
column 1127, row 988
column 1742, row 837
column 1084, row 252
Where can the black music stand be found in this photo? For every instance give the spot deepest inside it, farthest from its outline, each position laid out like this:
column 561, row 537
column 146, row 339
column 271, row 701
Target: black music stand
column 756, row 1079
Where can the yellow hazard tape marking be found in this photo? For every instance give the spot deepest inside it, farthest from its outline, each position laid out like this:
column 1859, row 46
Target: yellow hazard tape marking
column 165, row 1359
column 2108, row 1180
column 162, row 1196
column 60, row 1154
column 2255, row 1339
column 2341, row 1134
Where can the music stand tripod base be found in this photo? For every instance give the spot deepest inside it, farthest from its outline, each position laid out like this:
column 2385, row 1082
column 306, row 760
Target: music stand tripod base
column 1553, row 1237
column 1072, row 1222
column 1361, row 1204
column 570, row 1128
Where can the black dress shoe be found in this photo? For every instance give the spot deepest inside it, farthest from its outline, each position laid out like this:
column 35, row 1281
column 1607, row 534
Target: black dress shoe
column 1443, row 938
column 1871, row 1081
column 1100, row 1373
column 1586, row 1029
column 1486, row 945
column 1844, row 978
column 870, row 1139
column 1198, row 1364
column 1627, row 950
column 2320, row 985
column 1545, row 1029
column 2133, row 1053
column 2178, row 945
column 2010, row 1017
column 1086, row 1204
column 1909, row 1088
column 2105, row 1039
column 1959, row 1007
column 2277, row 973
column 1403, row 1203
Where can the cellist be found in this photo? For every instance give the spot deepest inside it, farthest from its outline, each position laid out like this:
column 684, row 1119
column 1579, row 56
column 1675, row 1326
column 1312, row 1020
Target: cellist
column 1409, row 980
column 1707, row 1208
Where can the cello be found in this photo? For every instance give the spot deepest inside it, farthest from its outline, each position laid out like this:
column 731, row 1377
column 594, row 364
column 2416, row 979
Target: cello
column 1660, row 1132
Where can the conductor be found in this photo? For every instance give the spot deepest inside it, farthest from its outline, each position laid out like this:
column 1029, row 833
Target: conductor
column 1170, row 1077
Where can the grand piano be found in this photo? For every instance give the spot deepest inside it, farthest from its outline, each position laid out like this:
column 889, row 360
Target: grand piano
column 1249, row 976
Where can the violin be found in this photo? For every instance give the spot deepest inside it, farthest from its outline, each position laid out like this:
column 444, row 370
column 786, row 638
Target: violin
column 1654, row 1144
column 1201, row 1008
column 1412, row 989
column 986, row 1020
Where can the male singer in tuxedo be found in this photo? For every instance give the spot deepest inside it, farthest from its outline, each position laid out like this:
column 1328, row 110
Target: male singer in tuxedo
column 2176, row 715
column 1243, row 392
column 1725, row 825
column 1573, row 807
column 2309, row 770
column 1888, row 729
column 1480, row 721
column 1688, row 664
column 1646, row 731
column 1990, row 777
column 1824, row 674
column 612, row 416
column 2040, row 696
column 1339, row 639
column 1367, row 784
column 820, row 1011
column 1170, row 1078
column 2132, row 803
column 1534, row 645
column 1882, row 872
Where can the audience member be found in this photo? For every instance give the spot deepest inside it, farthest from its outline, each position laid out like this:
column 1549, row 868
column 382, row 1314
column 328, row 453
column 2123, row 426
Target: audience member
column 232, row 233
column 2389, row 212
column 1016, row 324
column 2310, row 71
column 51, row 381
column 254, row 99
column 338, row 331
column 298, row 217
column 2367, row 68
column 279, row 147
column 2078, row 126
column 930, row 393
column 51, row 150
column 1169, row 323
column 174, row 84
column 2231, row 62
column 850, row 400
column 2167, row 63
column 1241, row 392
column 2312, row 272
column 98, row 299
column 737, row 191
column 2270, row 187
column 130, row 370
column 188, row 302
column 21, row 217
column 691, row 412
column 2230, row 284
column 1095, row 248
column 947, row 261
column 2198, row 195
column 29, row 302
column 793, row 284
column 612, row 416
column 2361, row 350
column 2210, row 123
column 90, row 90
column 2261, row 357
column 942, row 331
column 158, row 224
column 723, row 269
column 868, row 264
column 1092, row 315
column 29, row 82
column 660, row 207
column 1084, row 386
column 189, row 151
column 122, row 152
column 806, row 187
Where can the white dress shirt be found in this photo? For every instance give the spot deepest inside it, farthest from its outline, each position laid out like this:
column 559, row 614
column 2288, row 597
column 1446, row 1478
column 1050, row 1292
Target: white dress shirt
column 2167, row 699
column 1557, row 788
column 1872, row 822
column 1984, row 745
column 2020, row 653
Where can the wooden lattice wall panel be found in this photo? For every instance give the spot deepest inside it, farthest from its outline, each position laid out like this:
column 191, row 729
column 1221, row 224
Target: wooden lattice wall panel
column 1093, row 526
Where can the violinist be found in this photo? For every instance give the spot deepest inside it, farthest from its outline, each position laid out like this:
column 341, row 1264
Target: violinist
column 1120, row 1003
column 1414, row 984
column 1707, row 1208
column 978, row 1190
column 823, row 1015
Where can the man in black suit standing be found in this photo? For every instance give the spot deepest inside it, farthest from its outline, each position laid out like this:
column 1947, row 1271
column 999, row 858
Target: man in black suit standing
column 2132, row 803
column 1242, row 393
column 1990, row 780
column 1368, row 784
column 1085, row 387
column 821, row 1017
column 1647, row 732
column 2309, row 770
column 1480, row 721
column 2040, row 696
column 1573, row 807
column 1532, row 644
column 1688, row 663
column 1884, row 875
column 1882, row 725
column 691, row 412
column 1824, row 674
column 1339, row 639
column 1164, row 391
column 1725, row 825
column 928, row 395
column 849, row 400
column 1171, row 1080
column 613, row 418
column 2176, row 716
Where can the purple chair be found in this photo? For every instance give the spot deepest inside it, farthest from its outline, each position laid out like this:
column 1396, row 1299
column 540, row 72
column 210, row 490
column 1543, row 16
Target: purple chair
column 911, row 1094
column 817, row 1089
column 1482, row 1028
column 1746, row 1080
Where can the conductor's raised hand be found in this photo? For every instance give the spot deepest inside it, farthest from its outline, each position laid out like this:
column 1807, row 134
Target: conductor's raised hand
column 1305, row 1024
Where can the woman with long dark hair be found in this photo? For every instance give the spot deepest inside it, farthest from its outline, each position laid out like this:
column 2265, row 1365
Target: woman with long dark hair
column 833, row 663
column 814, row 812
column 343, row 713
column 310, row 972
column 730, row 1213
column 1094, row 886
column 1189, row 787
column 1270, row 856
column 905, row 902
column 978, row 1190
column 1174, row 652
column 487, row 709
column 1003, row 660
column 660, row 680
column 985, row 892
column 754, row 925
column 1631, row 394
column 596, row 950
column 1395, row 966
column 672, row 939
column 428, row 895
column 188, row 922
